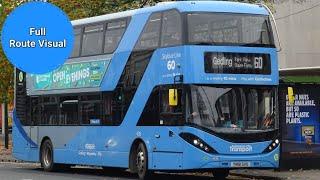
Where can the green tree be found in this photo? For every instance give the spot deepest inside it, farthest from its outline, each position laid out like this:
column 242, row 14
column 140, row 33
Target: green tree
column 6, row 69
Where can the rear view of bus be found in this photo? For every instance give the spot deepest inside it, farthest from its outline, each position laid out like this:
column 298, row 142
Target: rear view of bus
column 178, row 86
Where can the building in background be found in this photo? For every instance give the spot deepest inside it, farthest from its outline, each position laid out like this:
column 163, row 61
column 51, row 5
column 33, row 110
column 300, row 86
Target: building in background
column 299, row 63
column 299, row 30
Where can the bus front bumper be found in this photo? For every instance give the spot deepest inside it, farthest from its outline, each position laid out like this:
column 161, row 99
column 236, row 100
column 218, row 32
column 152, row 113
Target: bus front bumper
column 201, row 160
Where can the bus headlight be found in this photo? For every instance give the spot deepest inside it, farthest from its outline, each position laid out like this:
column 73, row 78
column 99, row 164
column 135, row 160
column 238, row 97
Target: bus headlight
column 197, row 142
column 273, row 145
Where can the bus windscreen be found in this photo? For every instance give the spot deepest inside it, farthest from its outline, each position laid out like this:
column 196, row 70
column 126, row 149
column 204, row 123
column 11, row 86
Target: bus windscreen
column 234, row 110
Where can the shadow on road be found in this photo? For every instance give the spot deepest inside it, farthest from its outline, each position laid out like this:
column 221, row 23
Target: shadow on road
column 123, row 174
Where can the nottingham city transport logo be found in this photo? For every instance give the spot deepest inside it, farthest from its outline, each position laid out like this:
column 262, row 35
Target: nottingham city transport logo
column 241, row 148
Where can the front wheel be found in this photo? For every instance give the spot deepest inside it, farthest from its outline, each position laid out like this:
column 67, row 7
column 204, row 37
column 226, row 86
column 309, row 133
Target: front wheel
column 142, row 162
column 220, row 174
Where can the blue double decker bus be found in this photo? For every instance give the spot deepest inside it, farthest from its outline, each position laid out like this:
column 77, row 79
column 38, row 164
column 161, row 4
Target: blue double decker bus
column 179, row 86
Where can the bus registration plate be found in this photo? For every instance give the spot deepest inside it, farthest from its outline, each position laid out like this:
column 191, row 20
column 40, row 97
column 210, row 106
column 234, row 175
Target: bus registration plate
column 240, row 164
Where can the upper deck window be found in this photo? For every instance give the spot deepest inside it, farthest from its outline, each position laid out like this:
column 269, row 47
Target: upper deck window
column 171, row 28
column 114, row 33
column 229, row 29
column 150, row 36
column 92, row 40
column 77, row 42
column 162, row 29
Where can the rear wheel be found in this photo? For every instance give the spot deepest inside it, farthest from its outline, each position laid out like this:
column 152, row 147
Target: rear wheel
column 46, row 156
column 220, row 174
column 47, row 160
column 141, row 162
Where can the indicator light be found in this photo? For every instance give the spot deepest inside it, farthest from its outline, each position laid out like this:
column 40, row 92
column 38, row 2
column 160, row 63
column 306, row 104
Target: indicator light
column 272, row 146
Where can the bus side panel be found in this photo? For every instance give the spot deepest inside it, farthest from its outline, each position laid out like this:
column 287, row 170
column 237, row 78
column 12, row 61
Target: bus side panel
column 94, row 158
column 92, row 145
column 23, row 148
column 167, row 161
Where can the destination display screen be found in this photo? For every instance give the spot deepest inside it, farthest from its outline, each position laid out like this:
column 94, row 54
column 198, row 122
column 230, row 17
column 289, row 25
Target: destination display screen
column 237, row 63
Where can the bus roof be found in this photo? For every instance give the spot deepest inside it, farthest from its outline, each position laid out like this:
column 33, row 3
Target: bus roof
column 182, row 6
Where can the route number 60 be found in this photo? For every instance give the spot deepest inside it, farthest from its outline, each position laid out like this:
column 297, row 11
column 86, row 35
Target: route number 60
column 171, row 65
column 258, row 63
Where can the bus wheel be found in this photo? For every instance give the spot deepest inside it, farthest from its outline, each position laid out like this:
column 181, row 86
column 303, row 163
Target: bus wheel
column 220, row 174
column 46, row 156
column 142, row 162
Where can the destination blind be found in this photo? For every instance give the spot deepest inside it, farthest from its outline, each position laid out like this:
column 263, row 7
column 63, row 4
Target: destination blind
column 237, row 63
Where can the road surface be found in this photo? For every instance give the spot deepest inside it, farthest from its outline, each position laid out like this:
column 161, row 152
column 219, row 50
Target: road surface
column 26, row 171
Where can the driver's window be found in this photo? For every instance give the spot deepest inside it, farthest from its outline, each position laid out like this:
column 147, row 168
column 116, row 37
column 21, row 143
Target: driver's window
column 170, row 115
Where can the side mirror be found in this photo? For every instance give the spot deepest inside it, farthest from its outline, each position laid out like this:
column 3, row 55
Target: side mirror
column 173, row 97
column 290, row 95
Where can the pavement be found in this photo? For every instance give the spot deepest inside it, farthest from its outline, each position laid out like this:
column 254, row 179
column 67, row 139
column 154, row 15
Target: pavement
column 6, row 154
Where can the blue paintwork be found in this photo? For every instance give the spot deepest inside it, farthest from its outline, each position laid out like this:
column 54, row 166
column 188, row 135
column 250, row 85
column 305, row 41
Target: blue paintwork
column 19, row 128
column 110, row 146
column 22, row 143
column 122, row 53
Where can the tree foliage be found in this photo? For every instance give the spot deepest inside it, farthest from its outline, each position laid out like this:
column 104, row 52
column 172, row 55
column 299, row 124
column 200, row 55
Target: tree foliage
column 76, row 9
column 6, row 69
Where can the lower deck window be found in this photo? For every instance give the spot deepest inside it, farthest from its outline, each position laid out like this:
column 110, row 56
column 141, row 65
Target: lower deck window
column 59, row 110
column 49, row 115
column 69, row 112
column 91, row 113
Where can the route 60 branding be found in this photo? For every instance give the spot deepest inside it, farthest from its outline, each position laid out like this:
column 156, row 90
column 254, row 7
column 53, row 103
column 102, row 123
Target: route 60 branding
column 171, row 65
column 171, row 59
